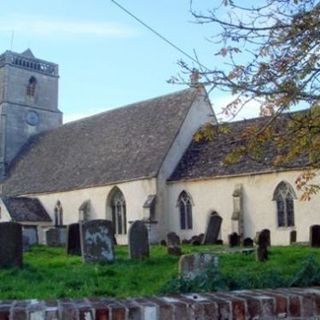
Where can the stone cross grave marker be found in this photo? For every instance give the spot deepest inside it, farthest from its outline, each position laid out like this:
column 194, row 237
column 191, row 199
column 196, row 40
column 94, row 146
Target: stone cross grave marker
column 56, row 237
column 213, row 229
column 315, row 235
column 96, row 237
column 73, row 246
column 138, row 240
column 192, row 265
column 10, row 244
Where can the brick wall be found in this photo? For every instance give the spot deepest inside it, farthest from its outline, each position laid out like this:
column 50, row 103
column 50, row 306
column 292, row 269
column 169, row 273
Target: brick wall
column 243, row 304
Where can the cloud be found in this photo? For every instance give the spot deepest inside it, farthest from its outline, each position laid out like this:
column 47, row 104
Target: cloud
column 45, row 26
column 251, row 110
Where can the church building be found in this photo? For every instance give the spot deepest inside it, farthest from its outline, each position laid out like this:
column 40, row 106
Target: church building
column 137, row 162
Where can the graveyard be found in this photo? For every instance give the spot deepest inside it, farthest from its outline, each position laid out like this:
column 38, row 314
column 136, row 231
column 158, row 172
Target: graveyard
column 48, row 272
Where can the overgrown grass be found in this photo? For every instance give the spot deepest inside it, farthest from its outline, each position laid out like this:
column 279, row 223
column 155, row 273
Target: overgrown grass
column 50, row 273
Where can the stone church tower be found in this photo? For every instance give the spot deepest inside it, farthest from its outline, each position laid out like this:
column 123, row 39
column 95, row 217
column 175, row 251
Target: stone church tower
column 28, row 102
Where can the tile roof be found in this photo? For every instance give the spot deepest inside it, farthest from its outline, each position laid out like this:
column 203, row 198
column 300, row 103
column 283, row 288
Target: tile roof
column 23, row 209
column 206, row 159
column 123, row 144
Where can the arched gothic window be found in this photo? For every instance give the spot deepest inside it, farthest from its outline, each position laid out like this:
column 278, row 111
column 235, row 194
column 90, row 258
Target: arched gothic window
column 31, row 87
column 185, row 210
column 284, row 196
column 58, row 214
column 118, row 210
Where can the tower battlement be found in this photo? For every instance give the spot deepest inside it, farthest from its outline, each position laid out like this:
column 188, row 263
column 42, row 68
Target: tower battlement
column 27, row 60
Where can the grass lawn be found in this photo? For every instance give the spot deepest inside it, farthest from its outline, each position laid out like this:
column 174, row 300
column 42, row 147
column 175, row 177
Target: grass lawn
column 50, row 273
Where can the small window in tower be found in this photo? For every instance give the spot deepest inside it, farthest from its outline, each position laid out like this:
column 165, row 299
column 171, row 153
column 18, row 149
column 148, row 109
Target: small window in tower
column 31, row 87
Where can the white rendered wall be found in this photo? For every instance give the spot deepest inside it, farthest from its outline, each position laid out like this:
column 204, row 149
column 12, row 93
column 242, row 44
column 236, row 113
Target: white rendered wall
column 259, row 208
column 135, row 193
column 200, row 112
column 5, row 216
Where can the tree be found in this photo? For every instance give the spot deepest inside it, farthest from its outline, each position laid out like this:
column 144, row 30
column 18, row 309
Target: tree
column 272, row 55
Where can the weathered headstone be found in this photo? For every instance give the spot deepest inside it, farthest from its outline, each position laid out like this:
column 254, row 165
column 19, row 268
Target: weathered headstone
column 73, row 246
column 31, row 232
column 263, row 242
column 173, row 239
column 163, row 243
column 267, row 235
column 174, row 251
column 56, row 237
column 197, row 240
column 192, row 265
column 293, row 236
column 138, row 240
column 315, row 235
column 96, row 237
column 247, row 242
column 173, row 244
column 213, row 229
column 10, row 244
column 234, row 240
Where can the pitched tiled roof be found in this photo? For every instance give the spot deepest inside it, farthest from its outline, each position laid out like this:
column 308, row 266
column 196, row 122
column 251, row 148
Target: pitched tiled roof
column 23, row 209
column 205, row 159
column 118, row 145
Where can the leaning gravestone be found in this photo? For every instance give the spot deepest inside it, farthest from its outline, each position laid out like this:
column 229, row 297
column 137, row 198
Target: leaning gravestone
column 248, row 242
column 234, row 240
column 213, row 229
column 172, row 239
column 138, row 240
column 293, row 236
column 73, row 239
column 96, row 237
column 315, row 235
column 192, row 265
column 56, row 237
column 263, row 241
column 10, row 244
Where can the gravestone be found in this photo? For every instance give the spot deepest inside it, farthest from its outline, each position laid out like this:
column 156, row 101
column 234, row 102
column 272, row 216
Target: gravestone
column 234, row 240
column 263, row 242
column 138, row 240
column 163, row 243
column 10, row 244
column 96, row 238
column 315, row 235
column 267, row 235
column 293, row 236
column 31, row 232
column 192, row 265
column 248, row 242
column 56, row 237
column 174, row 251
column 173, row 239
column 73, row 246
column 25, row 243
column 213, row 229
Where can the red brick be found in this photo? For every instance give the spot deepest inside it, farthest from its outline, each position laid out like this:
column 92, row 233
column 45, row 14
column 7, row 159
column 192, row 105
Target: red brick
column 118, row 312
column 223, row 306
column 102, row 314
column 294, row 306
column 4, row 314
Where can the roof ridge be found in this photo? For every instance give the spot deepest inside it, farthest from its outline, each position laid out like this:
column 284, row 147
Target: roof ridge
column 137, row 103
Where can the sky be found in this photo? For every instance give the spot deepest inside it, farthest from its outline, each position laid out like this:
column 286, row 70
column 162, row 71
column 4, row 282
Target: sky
column 107, row 59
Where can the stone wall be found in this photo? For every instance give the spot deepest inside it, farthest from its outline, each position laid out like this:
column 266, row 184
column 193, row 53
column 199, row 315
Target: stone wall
column 243, row 304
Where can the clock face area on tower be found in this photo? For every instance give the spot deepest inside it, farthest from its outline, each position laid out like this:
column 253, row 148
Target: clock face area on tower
column 32, row 118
